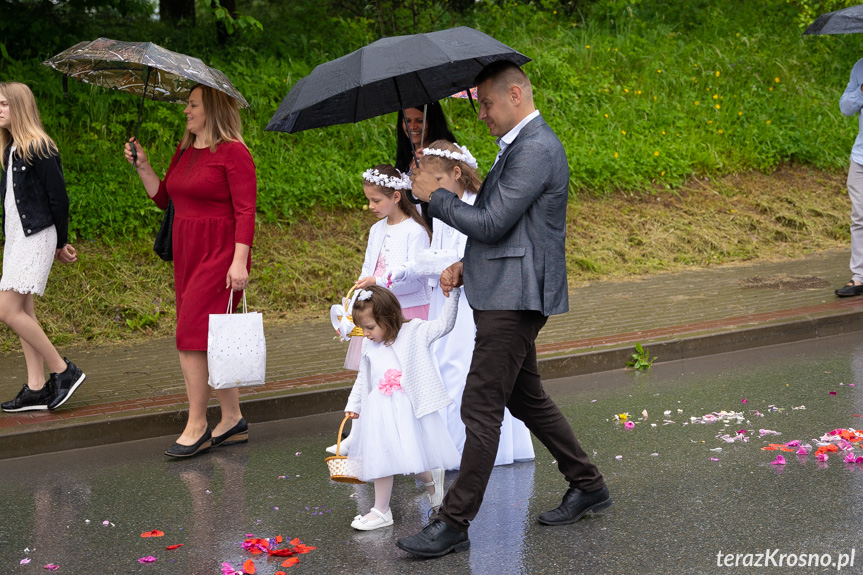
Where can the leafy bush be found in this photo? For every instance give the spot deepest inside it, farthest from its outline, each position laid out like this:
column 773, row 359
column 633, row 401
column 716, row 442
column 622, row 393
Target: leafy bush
column 644, row 94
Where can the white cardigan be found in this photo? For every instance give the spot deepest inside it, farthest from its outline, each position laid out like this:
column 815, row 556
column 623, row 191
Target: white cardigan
column 420, row 379
column 403, row 242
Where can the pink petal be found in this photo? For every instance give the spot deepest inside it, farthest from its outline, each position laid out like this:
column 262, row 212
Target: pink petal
column 778, row 461
column 25, row 561
column 821, row 457
column 629, row 425
column 802, row 451
column 51, row 567
column 832, row 393
column 714, row 459
column 858, row 460
column 795, row 443
column 147, row 559
column 743, row 400
column 849, row 458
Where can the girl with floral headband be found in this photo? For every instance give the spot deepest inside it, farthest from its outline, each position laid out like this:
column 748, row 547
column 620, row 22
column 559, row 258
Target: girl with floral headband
column 396, row 401
column 454, row 167
column 400, row 234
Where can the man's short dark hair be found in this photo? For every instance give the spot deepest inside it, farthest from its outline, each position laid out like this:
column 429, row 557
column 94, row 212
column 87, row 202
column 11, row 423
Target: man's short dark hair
column 504, row 70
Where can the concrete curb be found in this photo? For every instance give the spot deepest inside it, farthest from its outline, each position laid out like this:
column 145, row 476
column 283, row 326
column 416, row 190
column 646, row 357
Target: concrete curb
column 52, row 437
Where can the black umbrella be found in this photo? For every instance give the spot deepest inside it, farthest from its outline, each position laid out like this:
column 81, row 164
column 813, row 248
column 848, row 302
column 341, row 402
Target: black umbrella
column 846, row 21
column 141, row 68
column 389, row 75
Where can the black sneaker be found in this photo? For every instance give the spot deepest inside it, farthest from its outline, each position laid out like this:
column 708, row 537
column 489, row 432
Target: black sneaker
column 29, row 400
column 65, row 384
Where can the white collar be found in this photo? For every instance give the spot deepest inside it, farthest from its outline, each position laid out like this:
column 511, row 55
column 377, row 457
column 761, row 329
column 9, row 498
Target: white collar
column 508, row 138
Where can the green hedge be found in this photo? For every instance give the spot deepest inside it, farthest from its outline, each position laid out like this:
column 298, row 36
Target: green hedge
column 643, row 94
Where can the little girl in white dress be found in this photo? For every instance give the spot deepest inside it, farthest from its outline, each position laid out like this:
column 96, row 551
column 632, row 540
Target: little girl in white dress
column 395, row 402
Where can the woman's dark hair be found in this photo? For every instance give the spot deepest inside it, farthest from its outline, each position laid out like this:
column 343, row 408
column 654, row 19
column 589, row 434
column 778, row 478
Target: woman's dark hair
column 385, row 310
column 437, row 130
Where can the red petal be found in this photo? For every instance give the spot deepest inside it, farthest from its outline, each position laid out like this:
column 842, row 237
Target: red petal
column 153, row 533
column 290, row 562
column 280, row 552
column 295, row 541
column 172, row 547
column 279, row 539
column 249, row 566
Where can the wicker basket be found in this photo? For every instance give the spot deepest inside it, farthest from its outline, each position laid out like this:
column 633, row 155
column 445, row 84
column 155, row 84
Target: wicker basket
column 347, row 304
column 341, row 470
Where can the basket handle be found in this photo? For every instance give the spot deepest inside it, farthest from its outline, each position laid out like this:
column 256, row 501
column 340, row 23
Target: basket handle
column 339, row 437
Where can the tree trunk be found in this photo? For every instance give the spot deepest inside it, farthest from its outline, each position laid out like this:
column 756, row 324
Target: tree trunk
column 221, row 30
column 173, row 11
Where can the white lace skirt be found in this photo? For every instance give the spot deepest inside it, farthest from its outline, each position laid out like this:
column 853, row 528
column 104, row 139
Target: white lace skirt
column 26, row 260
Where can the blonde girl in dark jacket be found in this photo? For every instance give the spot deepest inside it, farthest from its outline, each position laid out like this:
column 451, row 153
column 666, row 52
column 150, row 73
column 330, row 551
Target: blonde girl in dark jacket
column 35, row 227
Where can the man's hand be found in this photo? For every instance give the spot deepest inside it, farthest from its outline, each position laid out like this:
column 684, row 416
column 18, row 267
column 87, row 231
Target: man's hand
column 423, row 185
column 452, row 278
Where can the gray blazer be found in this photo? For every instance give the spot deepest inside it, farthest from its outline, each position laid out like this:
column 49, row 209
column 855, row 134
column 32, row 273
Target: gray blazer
column 516, row 229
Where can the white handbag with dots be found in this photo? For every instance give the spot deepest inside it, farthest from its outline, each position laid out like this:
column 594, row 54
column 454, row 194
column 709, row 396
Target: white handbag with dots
column 236, row 349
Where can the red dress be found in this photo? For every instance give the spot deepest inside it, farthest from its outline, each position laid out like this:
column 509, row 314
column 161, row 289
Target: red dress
column 214, row 197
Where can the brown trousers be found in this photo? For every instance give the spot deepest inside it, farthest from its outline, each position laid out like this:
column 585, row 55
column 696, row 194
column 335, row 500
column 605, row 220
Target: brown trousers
column 504, row 372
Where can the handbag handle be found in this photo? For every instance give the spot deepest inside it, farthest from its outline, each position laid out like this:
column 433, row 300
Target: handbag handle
column 339, row 438
column 231, row 303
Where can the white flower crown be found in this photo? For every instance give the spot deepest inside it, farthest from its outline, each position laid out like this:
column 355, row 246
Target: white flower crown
column 465, row 155
column 373, row 176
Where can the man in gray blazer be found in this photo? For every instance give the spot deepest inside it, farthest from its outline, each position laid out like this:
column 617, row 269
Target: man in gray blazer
column 514, row 275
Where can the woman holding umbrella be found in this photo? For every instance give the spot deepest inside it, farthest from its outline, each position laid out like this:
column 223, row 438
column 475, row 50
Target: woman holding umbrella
column 211, row 181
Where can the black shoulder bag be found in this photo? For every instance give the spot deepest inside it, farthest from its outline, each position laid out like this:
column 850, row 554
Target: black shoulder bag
column 164, row 244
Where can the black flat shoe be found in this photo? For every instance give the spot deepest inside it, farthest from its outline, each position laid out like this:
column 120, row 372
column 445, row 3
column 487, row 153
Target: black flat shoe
column 575, row 504
column 202, row 444
column 237, row 434
column 849, row 290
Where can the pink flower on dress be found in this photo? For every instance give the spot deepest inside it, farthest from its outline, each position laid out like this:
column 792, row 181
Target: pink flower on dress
column 391, row 382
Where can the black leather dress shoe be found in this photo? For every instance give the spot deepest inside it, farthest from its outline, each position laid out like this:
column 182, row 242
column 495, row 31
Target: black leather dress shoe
column 237, row 434
column 849, row 290
column 436, row 540
column 575, row 504
column 202, row 444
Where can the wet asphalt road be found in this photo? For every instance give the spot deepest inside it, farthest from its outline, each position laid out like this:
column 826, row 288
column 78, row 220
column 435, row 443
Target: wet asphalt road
column 678, row 501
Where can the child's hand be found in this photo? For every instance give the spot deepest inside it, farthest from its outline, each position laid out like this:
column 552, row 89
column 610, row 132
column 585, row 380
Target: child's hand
column 452, row 278
column 352, row 415
column 366, row 282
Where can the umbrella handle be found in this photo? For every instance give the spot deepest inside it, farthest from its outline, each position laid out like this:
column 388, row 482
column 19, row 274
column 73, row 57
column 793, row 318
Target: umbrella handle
column 140, row 117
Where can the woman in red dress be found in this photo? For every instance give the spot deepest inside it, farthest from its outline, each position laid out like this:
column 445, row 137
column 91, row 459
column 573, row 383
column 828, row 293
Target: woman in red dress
column 211, row 181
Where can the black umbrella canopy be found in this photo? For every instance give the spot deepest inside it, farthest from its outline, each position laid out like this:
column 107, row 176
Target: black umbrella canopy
column 131, row 66
column 388, row 75
column 846, row 21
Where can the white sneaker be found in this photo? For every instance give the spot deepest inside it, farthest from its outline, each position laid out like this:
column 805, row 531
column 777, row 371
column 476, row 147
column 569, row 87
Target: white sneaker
column 345, row 447
column 360, row 523
column 436, row 498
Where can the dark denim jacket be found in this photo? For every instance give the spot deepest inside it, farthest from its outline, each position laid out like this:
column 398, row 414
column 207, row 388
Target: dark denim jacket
column 40, row 195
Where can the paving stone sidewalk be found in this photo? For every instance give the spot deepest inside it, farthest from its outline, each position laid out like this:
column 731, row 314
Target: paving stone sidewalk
column 146, row 376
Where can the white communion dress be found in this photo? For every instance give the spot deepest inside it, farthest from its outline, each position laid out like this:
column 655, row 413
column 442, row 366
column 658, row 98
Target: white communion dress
column 454, row 351
column 388, row 438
